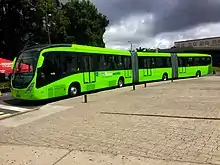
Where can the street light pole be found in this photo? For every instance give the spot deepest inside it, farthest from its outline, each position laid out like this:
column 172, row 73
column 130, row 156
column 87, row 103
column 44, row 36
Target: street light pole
column 131, row 45
column 157, row 47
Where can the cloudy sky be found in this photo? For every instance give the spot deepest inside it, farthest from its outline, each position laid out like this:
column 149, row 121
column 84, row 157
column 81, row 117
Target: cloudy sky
column 158, row 23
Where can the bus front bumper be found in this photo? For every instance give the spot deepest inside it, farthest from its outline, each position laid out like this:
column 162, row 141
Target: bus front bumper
column 22, row 94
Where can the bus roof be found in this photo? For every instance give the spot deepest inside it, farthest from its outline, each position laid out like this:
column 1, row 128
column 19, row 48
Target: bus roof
column 169, row 54
column 45, row 46
column 91, row 49
column 79, row 48
column 192, row 55
column 153, row 54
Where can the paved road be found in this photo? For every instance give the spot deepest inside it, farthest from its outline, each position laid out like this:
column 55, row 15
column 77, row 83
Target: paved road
column 10, row 106
column 175, row 122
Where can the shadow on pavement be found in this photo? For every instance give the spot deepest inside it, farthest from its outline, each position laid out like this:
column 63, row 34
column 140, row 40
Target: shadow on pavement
column 8, row 100
column 29, row 104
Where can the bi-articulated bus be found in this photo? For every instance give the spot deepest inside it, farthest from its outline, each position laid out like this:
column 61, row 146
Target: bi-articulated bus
column 69, row 69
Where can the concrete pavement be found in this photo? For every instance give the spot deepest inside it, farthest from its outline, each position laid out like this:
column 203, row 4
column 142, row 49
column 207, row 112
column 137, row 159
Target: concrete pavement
column 10, row 107
column 165, row 123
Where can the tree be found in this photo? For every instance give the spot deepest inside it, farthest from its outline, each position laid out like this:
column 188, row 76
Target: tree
column 11, row 24
column 87, row 25
column 28, row 22
column 50, row 22
column 140, row 49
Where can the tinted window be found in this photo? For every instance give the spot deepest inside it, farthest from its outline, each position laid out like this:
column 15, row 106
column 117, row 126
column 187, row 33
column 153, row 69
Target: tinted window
column 181, row 62
column 194, row 61
column 120, row 62
column 84, row 63
column 127, row 62
column 154, row 62
column 102, row 62
column 50, row 70
column 69, row 63
column 57, row 65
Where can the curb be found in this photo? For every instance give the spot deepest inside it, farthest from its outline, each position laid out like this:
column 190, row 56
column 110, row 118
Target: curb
column 19, row 113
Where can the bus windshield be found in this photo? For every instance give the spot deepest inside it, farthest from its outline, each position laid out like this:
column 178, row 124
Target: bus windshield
column 24, row 69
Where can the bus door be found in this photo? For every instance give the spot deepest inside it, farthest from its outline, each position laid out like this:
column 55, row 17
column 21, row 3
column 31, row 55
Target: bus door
column 182, row 65
column 148, row 69
column 128, row 67
column 183, row 69
column 88, row 75
column 128, row 73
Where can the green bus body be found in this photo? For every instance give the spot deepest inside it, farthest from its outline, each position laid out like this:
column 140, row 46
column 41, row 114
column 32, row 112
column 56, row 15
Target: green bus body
column 55, row 69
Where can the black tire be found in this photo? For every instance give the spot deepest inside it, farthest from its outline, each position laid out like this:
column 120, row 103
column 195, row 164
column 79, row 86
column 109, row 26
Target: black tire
column 164, row 77
column 121, row 82
column 198, row 74
column 74, row 90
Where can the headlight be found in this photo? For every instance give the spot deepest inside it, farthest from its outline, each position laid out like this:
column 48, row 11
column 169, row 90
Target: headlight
column 30, row 88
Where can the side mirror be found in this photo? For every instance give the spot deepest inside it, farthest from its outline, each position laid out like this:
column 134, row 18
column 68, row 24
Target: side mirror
column 13, row 63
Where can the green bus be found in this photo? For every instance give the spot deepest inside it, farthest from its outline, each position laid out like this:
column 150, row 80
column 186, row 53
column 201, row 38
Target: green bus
column 163, row 66
column 69, row 69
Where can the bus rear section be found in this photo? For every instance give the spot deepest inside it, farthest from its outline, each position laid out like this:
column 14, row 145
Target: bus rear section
column 192, row 64
column 154, row 66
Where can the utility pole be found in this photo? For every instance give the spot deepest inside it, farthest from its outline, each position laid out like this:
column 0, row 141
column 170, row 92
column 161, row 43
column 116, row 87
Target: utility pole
column 47, row 24
column 46, row 20
column 48, row 27
column 132, row 70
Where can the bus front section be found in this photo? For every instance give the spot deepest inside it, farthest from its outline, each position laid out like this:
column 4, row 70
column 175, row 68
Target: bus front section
column 23, row 76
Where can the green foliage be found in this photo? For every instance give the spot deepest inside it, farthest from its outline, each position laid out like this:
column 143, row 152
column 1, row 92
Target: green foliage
column 140, row 49
column 11, row 27
column 87, row 25
column 26, row 22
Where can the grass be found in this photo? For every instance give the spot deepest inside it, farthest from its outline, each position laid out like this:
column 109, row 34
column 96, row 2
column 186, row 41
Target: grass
column 4, row 85
column 217, row 69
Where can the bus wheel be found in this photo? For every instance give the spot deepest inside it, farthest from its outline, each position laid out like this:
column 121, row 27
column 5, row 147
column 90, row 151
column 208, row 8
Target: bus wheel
column 120, row 82
column 165, row 77
column 198, row 74
column 73, row 90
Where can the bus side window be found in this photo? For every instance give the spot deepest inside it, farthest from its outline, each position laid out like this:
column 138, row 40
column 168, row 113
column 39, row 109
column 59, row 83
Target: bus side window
column 127, row 62
column 153, row 62
column 47, row 73
column 114, row 63
column 190, row 61
column 181, row 62
column 168, row 62
column 141, row 62
column 110, row 62
column 95, row 62
column 102, row 64
column 147, row 62
column 69, row 63
column 119, row 62
column 84, row 63
column 161, row 62
column 48, row 67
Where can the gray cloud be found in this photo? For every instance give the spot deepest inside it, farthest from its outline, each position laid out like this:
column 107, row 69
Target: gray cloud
column 170, row 15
